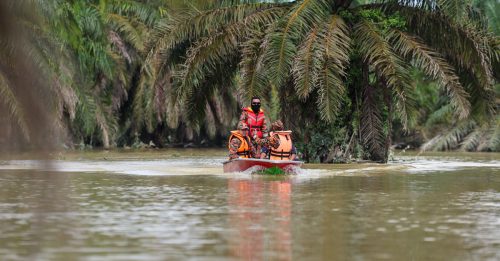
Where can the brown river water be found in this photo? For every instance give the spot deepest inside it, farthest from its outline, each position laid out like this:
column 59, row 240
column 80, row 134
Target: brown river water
column 178, row 205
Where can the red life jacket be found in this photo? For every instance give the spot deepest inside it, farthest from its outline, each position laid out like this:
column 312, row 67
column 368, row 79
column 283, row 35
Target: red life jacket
column 255, row 121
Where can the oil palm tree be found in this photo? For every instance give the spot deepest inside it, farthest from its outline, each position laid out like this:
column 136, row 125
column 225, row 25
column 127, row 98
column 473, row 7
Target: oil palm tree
column 104, row 40
column 33, row 85
column 155, row 106
column 446, row 132
column 330, row 53
column 438, row 126
column 88, row 53
column 491, row 9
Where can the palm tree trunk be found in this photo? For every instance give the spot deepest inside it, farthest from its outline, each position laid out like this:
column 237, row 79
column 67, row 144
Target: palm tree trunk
column 105, row 139
column 348, row 148
column 365, row 81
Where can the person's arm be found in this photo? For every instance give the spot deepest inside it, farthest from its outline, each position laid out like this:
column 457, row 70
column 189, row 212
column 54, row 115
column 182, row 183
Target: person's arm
column 258, row 141
column 274, row 141
column 234, row 144
column 263, row 152
column 253, row 148
column 264, row 130
column 293, row 155
column 243, row 118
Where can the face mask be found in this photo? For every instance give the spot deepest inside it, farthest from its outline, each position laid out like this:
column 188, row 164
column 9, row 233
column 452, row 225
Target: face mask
column 255, row 107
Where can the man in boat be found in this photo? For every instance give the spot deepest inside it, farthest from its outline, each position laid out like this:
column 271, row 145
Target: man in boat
column 254, row 118
column 278, row 146
column 240, row 145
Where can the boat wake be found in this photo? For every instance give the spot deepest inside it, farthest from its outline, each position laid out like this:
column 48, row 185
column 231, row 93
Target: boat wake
column 422, row 166
column 213, row 166
column 135, row 167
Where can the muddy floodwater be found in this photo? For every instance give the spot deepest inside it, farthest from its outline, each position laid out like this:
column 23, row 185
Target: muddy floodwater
column 178, row 205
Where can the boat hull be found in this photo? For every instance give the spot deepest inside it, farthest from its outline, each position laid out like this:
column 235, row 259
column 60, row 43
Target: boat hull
column 239, row 165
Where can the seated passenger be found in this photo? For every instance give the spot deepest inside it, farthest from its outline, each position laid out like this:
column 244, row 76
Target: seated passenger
column 239, row 144
column 278, row 145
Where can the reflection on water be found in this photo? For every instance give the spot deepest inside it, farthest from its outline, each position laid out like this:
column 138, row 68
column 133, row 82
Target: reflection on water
column 259, row 233
column 170, row 209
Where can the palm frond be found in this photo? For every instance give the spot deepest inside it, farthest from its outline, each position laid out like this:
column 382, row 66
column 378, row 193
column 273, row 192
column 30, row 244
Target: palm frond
column 336, row 43
column 452, row 138
column 430, row 144
column 148, row 13
column 210, row 121
column 306, row 65
column 494, row 140
column 432, row 64
column 493, row 14
column 253, row 76
column 331, row 90
column 116, row 40
column 153, row 102
column 456, row 9
column 371, row 128
column 139, row 100
column 203, row 59
column 442, row 115
column 194, row 103
column 193, row 25
column 16, row 111
column 133, row 33
column 228, row 97
column 174, row 115
column 213, row 44
column 105, row 124
column 333, row 51
column 471, row 141
column 283, row 42
column 160, row 98
column 85, row 114
column 463, row 46
column 195, row 106
column 52, row 59
column 377, row 52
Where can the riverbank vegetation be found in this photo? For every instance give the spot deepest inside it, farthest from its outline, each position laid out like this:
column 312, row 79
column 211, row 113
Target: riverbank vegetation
column 351, row 78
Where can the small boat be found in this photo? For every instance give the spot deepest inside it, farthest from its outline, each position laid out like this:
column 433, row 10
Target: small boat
column 242, row 164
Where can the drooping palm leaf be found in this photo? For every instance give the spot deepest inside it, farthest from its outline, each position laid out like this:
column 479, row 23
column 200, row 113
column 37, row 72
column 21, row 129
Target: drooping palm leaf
column 203, row 59
column 494, row 141
column 306, row 65
column 452, row 138
column 16, row 110
column 283, row 43
column 430, row 62
column 194, row 25
column 461, row 45
column 253, row 76
column 471, row 141
column 377, row 52
column 333, row 55
column 371, row 125
column 442, row 115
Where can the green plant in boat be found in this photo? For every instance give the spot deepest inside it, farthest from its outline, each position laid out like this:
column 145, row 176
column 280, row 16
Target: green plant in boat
column 272, row 171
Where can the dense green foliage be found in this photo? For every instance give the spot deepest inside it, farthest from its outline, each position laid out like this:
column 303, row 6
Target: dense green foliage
column 347, row 77
column 338, row 57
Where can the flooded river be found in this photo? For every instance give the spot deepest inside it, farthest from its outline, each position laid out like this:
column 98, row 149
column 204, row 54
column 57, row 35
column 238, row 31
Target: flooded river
column 178, row 205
